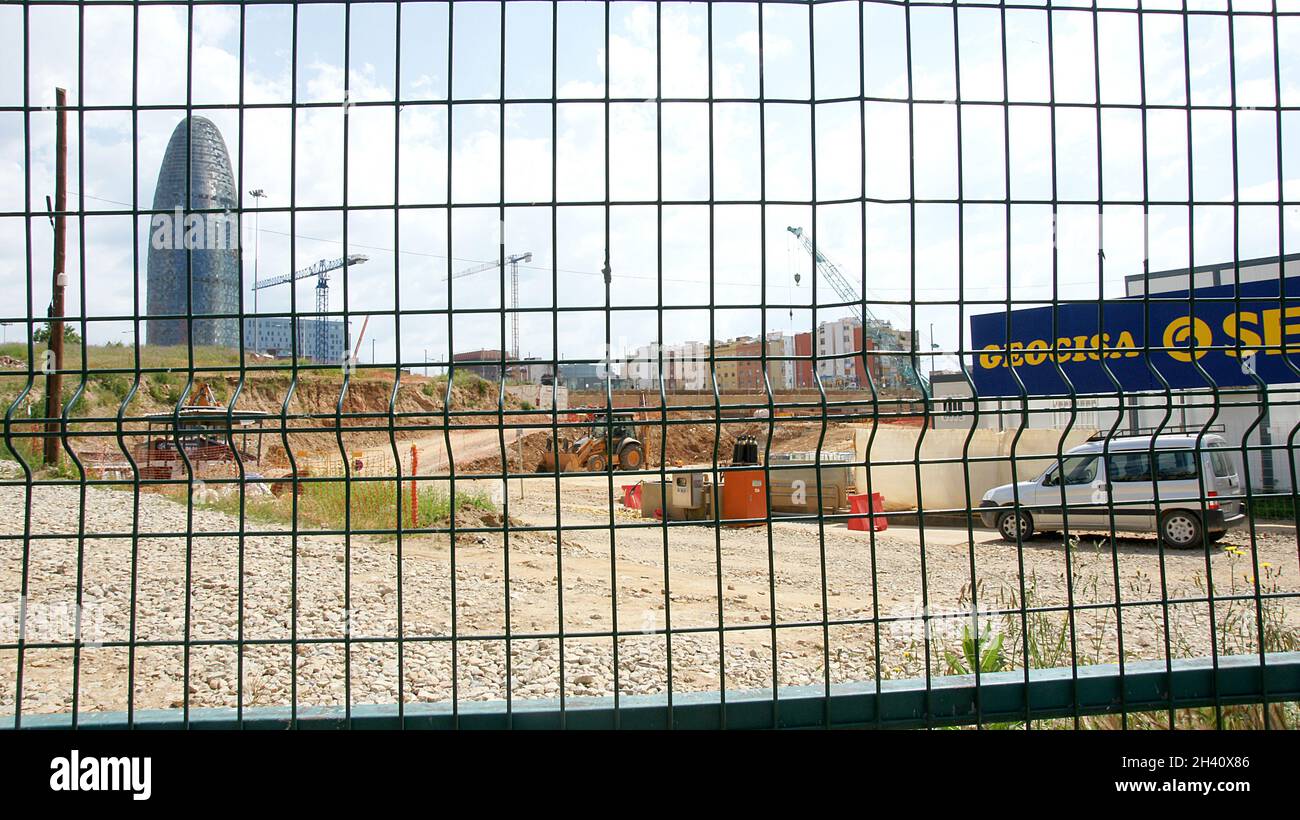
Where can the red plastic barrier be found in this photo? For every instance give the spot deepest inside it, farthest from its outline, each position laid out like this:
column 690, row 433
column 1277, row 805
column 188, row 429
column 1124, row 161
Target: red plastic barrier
column 869, row 506
column 632, row 496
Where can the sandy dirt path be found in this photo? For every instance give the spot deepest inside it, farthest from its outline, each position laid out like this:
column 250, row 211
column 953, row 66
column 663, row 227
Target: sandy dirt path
column 797, row 600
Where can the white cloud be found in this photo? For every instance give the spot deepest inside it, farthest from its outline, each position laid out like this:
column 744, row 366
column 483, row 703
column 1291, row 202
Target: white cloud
column 893, row 158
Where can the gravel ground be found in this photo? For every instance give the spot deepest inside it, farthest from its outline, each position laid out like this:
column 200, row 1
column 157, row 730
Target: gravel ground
column 351, row 588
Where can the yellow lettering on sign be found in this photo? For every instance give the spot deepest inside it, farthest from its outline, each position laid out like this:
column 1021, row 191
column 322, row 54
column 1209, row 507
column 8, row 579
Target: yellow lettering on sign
column 1125, row 343
column 1235, row 325
column 1275, row 332
column 1062, row 354
column 1183, row 329
column 1082, row 355
column 1016, row 359
column 991, row 361
column 1034, row 359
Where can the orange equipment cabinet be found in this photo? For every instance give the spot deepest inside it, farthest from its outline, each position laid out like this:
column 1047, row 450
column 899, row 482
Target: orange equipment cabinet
column 743, row 496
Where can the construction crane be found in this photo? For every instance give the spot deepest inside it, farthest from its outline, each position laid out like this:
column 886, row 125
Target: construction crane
column 513, row 261
column 877, row 330
column 321, row 270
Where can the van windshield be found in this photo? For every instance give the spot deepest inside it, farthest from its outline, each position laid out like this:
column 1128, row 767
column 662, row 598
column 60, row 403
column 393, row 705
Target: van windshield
column 1078, row 470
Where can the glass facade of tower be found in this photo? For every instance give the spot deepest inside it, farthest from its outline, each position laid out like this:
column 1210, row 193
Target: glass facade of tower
column 194, row 257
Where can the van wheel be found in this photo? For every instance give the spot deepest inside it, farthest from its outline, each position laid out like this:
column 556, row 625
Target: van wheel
column 1009, row 523
column 1180, row 530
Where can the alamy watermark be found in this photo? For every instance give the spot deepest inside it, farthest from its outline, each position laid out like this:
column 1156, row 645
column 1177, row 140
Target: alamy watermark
column 55, row 621
column 179, row 230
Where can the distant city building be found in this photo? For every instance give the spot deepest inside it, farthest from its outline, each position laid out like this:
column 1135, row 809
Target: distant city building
column 727, row 367
column 803, row 367
column 686, row 367
column 837, row 344
column 847, row 354
column 781, row 371
column 893, row 368
column 737, row 364
column 486, row 364
column 193, row 264
column 683, row 366
column 530, row 371
column 273, row 336
column 582, row 376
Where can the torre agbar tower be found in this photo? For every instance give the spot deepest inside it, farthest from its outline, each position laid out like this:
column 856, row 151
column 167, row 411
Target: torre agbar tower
column 194, row 257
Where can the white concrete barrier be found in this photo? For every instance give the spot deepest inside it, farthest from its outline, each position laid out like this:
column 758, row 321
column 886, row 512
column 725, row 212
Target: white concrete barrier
column 943, row 486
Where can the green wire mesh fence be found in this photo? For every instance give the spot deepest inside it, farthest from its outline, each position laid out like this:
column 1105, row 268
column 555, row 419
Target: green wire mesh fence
column 650, row 364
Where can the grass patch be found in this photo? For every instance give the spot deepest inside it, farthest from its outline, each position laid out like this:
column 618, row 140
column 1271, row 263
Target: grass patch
column 358, row 505
column 469, row 382
column 1045, row 634
column 122, row 356
column 1276, row 508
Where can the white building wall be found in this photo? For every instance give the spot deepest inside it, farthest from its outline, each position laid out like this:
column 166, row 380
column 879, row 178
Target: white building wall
column 690, row 368
column 781, row 372
column 1238, row 412
column 835, row 340
column 685, row 366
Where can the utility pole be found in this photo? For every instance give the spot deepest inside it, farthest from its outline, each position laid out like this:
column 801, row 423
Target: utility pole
column 53, row 378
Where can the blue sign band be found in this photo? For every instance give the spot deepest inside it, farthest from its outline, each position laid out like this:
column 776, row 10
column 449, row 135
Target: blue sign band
column 1226, row 336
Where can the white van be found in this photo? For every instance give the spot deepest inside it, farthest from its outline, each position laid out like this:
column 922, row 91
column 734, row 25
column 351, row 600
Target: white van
column 1104, row 482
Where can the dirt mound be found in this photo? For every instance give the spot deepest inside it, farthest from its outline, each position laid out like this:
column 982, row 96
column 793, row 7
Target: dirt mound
column 686, row 444
column 694, row 443
column 367, row 410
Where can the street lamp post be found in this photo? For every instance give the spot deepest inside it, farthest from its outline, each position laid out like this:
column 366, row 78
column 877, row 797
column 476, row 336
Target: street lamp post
column 258, row 195
column 932, row 349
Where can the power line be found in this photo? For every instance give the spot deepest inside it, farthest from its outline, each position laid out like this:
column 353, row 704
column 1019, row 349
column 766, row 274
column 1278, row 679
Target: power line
column 633, row 276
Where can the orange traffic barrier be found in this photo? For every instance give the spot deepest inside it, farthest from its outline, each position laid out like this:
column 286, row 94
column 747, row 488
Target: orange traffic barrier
column 872, row 506
column 632, row 496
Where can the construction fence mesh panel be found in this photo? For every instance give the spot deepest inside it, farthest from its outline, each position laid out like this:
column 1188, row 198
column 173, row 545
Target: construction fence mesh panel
column 650, row 364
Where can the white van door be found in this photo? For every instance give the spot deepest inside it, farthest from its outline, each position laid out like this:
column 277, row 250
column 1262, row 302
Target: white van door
column 1131, row 488
column 1084, row 481
column 1179, row 480
column 1223, row 467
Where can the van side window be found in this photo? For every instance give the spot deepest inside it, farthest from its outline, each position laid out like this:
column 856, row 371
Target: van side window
column 1178, row 466
column 1129, row 467
column 1222, row 464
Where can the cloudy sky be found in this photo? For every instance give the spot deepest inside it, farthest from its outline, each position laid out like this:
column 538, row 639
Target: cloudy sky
column 920, row 260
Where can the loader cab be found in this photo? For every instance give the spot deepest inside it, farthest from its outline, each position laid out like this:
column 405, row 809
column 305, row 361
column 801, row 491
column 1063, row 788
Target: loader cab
column 621, row 426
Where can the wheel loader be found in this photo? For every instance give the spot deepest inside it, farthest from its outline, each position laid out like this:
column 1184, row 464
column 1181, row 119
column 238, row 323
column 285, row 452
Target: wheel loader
column 604, row 441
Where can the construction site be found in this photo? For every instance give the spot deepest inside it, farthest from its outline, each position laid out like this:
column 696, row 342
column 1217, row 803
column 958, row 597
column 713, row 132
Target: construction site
column 711, row 365
column 690, row 532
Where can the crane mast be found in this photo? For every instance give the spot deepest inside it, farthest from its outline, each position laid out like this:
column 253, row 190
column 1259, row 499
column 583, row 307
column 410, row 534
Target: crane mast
column 513, row 261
